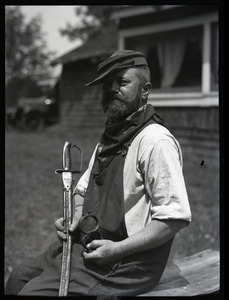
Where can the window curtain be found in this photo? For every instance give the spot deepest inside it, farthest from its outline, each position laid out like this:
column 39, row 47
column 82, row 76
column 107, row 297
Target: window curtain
column 170, row 53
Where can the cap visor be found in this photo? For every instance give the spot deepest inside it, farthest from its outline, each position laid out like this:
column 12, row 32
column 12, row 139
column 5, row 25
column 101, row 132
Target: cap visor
column 96, row 81
column 100, row 78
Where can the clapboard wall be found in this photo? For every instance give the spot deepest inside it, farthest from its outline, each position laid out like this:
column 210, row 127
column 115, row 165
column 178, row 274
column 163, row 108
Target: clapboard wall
column 197, row 126
column 80, row 105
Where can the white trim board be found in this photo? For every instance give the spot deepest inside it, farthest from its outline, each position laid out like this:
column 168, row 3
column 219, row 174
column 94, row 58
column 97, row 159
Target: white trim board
column 154, row 28
column 190, row 101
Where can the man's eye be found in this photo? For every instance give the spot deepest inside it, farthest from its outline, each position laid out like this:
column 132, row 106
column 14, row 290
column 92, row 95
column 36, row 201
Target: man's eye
column 123, row 82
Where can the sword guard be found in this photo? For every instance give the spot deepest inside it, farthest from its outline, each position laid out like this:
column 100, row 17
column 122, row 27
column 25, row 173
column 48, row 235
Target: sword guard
column 67, row 157
column 60, row 171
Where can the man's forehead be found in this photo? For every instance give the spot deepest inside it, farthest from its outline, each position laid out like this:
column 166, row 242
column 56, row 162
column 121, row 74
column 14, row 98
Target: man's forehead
column 123, row 73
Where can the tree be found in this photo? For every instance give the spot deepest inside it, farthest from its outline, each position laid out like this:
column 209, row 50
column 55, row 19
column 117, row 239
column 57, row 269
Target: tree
column 26, row 53
column 90, row 20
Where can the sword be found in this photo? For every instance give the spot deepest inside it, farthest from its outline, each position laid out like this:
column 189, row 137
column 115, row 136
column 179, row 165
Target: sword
column 67, row 179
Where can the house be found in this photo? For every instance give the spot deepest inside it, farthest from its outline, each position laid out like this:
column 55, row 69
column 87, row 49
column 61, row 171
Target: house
column 181, row 45
column 81, row 106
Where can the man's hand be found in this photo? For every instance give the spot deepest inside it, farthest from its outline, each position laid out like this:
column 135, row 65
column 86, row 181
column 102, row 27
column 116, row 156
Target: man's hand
column 60, row 229
column 102, row 252
column 59, row 224
column 152, row 235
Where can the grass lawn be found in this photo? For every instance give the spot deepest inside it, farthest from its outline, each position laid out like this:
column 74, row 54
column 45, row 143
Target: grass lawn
column 33, row 193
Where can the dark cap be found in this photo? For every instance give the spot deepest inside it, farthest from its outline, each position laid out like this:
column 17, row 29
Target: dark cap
column 121, row 59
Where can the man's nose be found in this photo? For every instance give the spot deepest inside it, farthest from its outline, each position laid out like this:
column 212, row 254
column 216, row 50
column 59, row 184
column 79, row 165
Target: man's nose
column 114, row 87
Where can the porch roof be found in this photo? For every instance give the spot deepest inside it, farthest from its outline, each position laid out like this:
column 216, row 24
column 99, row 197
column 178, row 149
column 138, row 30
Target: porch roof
column 100, row 44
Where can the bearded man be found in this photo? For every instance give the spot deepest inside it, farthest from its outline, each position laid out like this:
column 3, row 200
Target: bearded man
column 133, row 187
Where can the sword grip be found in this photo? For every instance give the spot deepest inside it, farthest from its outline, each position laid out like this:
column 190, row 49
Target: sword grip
column 67, row 156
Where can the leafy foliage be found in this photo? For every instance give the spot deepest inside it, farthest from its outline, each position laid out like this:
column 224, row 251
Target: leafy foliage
column 92, row 19
column 26, row 53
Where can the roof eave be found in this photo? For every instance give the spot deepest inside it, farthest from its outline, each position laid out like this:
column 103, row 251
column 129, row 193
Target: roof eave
column 135, row 10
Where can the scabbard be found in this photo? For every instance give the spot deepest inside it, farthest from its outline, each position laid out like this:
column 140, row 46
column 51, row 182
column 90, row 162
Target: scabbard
column 67, row 248
column 67, row 217
column 67, row 180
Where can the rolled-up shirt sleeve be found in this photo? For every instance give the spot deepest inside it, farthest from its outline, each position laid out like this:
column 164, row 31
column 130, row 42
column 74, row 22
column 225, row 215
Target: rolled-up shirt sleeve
column 164, row 181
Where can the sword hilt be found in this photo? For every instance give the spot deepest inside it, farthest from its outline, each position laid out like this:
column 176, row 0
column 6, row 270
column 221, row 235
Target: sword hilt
column 67, row 161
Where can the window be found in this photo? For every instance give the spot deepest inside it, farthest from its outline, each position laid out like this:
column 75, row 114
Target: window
column 174, row 57
column 214, row 55
column 190, row 71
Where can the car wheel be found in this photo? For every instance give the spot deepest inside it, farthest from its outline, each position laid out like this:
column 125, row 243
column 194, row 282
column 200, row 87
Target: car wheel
column 34, row 122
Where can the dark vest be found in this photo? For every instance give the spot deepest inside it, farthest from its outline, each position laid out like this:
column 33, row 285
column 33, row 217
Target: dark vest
column 105, row 193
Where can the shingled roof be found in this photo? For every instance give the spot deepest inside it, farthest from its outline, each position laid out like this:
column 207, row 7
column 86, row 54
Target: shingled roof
column 101, row 43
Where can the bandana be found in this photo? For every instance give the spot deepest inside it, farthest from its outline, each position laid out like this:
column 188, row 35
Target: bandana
column 117, row 138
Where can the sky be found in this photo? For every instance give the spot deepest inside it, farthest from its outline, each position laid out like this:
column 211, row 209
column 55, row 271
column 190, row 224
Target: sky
column 53, row 18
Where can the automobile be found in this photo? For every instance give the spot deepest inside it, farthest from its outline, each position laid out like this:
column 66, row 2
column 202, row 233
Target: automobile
column 33, row 114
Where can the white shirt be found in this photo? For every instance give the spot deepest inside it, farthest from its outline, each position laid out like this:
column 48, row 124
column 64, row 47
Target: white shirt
column 153, row 181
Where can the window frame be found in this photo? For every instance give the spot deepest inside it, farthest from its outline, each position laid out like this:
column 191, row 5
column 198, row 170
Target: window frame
column 207, row 96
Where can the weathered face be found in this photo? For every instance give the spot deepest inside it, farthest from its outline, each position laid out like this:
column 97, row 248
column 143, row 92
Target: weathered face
column 122, row 94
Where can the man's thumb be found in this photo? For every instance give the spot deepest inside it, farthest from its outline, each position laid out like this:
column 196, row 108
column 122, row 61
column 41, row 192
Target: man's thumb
column 73, row 225
column 95, row 244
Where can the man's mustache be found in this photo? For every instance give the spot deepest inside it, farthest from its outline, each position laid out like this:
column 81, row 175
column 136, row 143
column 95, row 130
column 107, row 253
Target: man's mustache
column 110, row 98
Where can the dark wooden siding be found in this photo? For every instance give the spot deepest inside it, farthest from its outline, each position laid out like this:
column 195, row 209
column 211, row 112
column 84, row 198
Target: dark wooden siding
column 80, row 105
column 197, row 126
column 74, row 77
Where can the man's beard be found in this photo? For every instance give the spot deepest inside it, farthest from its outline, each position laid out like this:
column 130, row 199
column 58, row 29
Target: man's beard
column 119, row 109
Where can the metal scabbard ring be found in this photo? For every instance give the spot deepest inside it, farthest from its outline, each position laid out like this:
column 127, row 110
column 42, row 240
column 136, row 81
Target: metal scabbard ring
column 89, row 226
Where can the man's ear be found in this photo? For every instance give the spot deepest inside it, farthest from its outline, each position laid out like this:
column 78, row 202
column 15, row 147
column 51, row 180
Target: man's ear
column 145, row 91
